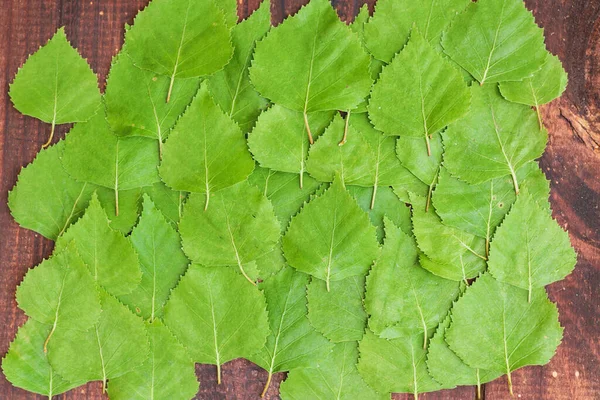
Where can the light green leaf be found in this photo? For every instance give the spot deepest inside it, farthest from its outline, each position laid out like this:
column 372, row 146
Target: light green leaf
column 229, row 10
column 109, row 256
column 26, row 364
column 498, row 318
column 279, row 139
column 217, row 315
column 56, row 85
column 495, row 41
column 116, row 345
column 448, row 369
column 135, row 100
column 60, row 291
column 338, row 314
column 162, row 262
column 293, row 342
column 129, row 206
column 231, row 87
column 167, row 374
column 396, row 365
column 331, row 238
column 530, row 250
column 283, row 191
column 45, row 198
column 493, row 140
column 324, row 66
column 206, row 151
column 168, row 202
column 335, row 377
column 418, row 94
column 238, row 228
column 388, row 30
column 455, row 254
column 402, row 298
column 180, row 39
column 388, row 205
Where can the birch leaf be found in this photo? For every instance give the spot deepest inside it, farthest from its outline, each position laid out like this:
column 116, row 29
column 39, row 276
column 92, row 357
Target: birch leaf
column 214, row 325
column 109, row 256
column 293, row 342
column 335, row 377
column 180, row 39
column 162, row 262
column 389, row 29
column 418, row 94
column 60, row 291
column 495, row 41
column 26, row 364
column 331, row 238
column 206, row 151
column 65, row 87
column 135, row 100
column 396, row 365
column 231, row 87
column 229, row 10
column 530, row 250
column 324, row 67
column 116, row 345
column 339, row 315
column 404, row 299
column 493, row 140
column 167, row 374
column 498, row 317
column 226, row 233
column 279, row 140
column 456, row 255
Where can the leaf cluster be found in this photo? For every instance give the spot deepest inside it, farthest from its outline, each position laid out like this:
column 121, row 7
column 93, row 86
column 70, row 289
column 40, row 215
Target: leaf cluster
column 358, row 205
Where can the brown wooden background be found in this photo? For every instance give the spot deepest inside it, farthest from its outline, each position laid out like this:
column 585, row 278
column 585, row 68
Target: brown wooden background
column 571, row 162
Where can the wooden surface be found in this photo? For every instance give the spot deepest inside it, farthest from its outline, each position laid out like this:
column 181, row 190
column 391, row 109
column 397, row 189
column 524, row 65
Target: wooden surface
column 571, row 162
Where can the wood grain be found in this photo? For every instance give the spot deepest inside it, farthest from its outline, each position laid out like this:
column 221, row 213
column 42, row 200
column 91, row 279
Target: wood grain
column 571, row 162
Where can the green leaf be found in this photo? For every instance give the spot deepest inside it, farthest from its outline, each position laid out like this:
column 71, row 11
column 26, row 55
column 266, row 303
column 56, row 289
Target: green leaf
column 331, row 238
column 60, row 291
column 324, row 66
column 513, row 331
column 180, row 39
column 231, row 87
column 162, row 262
column 396, row 365
column 168, row 202
column 26, row 364
column 418, row 94
column 338, row 314
column 229, row 10
column 493, row 140
column 94, row 154
column 109, row 256
column 135, row 100
column 455, row 254
column 530, row 250
column 279, row 141
column 168, row 373
column 404, row 299
column 448, row 369
column 236, row 230
column 56, row 85
column 495, row 41
column 116, row 345
column 45, row 198
column 389, row 29
column 387, row 205
column 283, row 191
column 217, row 315
column 206, row 151
column 335, row 377
column 129, row 206
column 293, row 342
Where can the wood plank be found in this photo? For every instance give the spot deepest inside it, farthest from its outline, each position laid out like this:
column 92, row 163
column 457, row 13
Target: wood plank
column 572, row 162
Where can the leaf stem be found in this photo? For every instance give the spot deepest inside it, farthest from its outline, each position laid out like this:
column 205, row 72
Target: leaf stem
column 307, row 126
column 428, row 145
column 218, row 373
column 514, row 178
column 267, row 385
column 539, row 115
column 51, row 135
column 171, row 87
column 487, row 247
column 207, row 201
column 373, row 196
column 510, row 385
column 343, row 141
column 478, row 385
